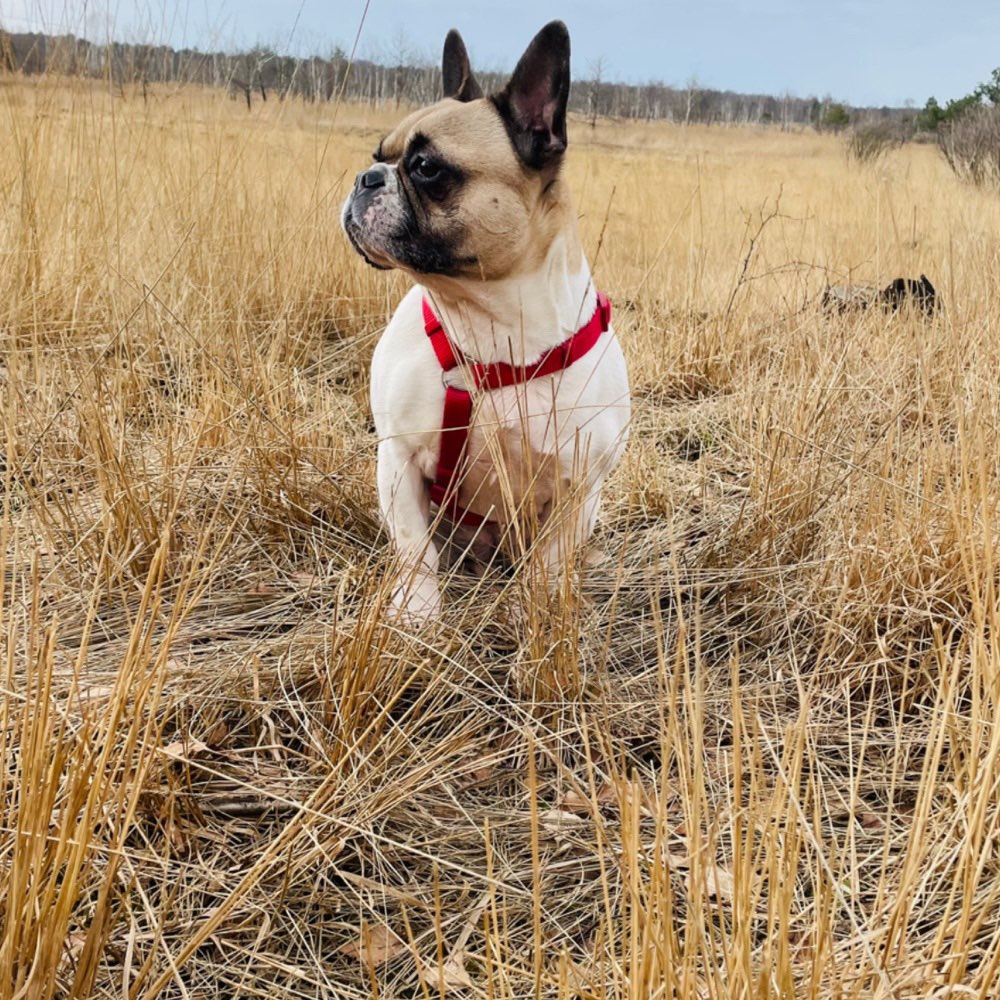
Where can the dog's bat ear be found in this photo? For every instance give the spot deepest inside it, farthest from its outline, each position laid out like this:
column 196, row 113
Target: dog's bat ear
column 533, row 104
column 456, row 73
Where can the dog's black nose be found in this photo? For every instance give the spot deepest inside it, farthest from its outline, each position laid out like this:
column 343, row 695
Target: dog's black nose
column 374, row 177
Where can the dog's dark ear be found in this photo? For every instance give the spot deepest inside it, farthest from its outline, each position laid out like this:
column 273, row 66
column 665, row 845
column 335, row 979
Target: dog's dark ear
column 533, row 104
column 456, row 73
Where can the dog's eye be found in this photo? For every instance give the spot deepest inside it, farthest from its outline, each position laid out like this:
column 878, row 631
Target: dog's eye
column 424, row 168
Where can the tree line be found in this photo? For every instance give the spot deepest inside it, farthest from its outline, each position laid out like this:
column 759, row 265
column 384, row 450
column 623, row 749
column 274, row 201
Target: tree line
column 968, row 132
column 986, row 95
column 398, row 79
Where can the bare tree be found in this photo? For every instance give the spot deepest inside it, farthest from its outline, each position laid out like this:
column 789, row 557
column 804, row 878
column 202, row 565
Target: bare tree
column 594, row 89
column 692, row 87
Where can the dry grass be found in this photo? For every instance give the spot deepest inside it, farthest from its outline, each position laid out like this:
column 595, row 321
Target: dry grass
column 757, row 757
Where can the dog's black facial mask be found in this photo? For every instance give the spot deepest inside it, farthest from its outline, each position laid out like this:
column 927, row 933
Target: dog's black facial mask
column 397, row 213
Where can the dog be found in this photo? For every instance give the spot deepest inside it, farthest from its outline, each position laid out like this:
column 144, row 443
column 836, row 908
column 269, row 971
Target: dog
column 499, row 391
column 918, row 292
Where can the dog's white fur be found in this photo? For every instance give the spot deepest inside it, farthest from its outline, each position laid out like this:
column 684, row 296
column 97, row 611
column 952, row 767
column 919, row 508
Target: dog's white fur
column 534, row 444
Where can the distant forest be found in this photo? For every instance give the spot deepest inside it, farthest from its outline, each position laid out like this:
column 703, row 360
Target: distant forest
column 263, row 74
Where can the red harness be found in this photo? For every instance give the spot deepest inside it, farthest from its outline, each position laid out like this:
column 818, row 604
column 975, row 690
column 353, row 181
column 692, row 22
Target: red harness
column 458, row 402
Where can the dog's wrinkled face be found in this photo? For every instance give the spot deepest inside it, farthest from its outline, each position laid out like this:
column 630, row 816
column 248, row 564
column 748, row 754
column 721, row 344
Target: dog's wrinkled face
column 466, row 187
column 446, row 195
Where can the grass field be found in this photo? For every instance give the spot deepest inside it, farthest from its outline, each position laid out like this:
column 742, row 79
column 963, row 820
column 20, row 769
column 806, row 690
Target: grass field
column 757, row 755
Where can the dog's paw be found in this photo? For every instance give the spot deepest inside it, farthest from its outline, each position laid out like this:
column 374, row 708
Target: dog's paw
column 415, row 599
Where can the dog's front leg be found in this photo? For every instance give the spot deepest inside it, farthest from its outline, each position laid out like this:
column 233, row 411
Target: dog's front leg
column 405, row 503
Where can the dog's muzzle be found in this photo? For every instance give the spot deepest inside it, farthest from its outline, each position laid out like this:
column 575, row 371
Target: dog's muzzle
column 368, row 216
column 368, row 185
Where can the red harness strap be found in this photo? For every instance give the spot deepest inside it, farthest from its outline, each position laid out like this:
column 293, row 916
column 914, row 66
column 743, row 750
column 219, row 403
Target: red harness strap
column 458, row 402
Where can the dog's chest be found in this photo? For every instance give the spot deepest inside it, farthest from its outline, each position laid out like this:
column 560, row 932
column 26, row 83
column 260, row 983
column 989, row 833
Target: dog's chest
column 514, row 457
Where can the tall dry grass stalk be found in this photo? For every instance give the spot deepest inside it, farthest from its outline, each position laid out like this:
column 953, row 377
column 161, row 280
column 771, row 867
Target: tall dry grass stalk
column 753, row 753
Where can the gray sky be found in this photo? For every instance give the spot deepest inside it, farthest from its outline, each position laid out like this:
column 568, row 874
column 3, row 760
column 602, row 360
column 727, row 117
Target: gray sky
column 863, row 51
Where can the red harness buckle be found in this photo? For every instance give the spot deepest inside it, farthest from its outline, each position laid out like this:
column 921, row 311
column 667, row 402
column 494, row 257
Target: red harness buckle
column 457, row 417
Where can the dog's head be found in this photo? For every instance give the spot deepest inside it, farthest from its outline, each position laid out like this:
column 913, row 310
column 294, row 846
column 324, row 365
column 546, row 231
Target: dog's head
column 468, row 186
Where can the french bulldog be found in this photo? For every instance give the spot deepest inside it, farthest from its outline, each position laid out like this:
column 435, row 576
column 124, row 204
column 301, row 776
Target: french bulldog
column 467, row 197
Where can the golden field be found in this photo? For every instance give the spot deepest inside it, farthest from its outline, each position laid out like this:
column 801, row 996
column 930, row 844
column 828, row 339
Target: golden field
column 756, row 755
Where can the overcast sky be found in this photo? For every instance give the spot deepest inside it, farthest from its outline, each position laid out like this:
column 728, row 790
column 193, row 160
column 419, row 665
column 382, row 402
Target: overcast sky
column 870, row 52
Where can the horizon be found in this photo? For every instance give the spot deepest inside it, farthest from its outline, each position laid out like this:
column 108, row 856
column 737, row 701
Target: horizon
column 801, row 63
